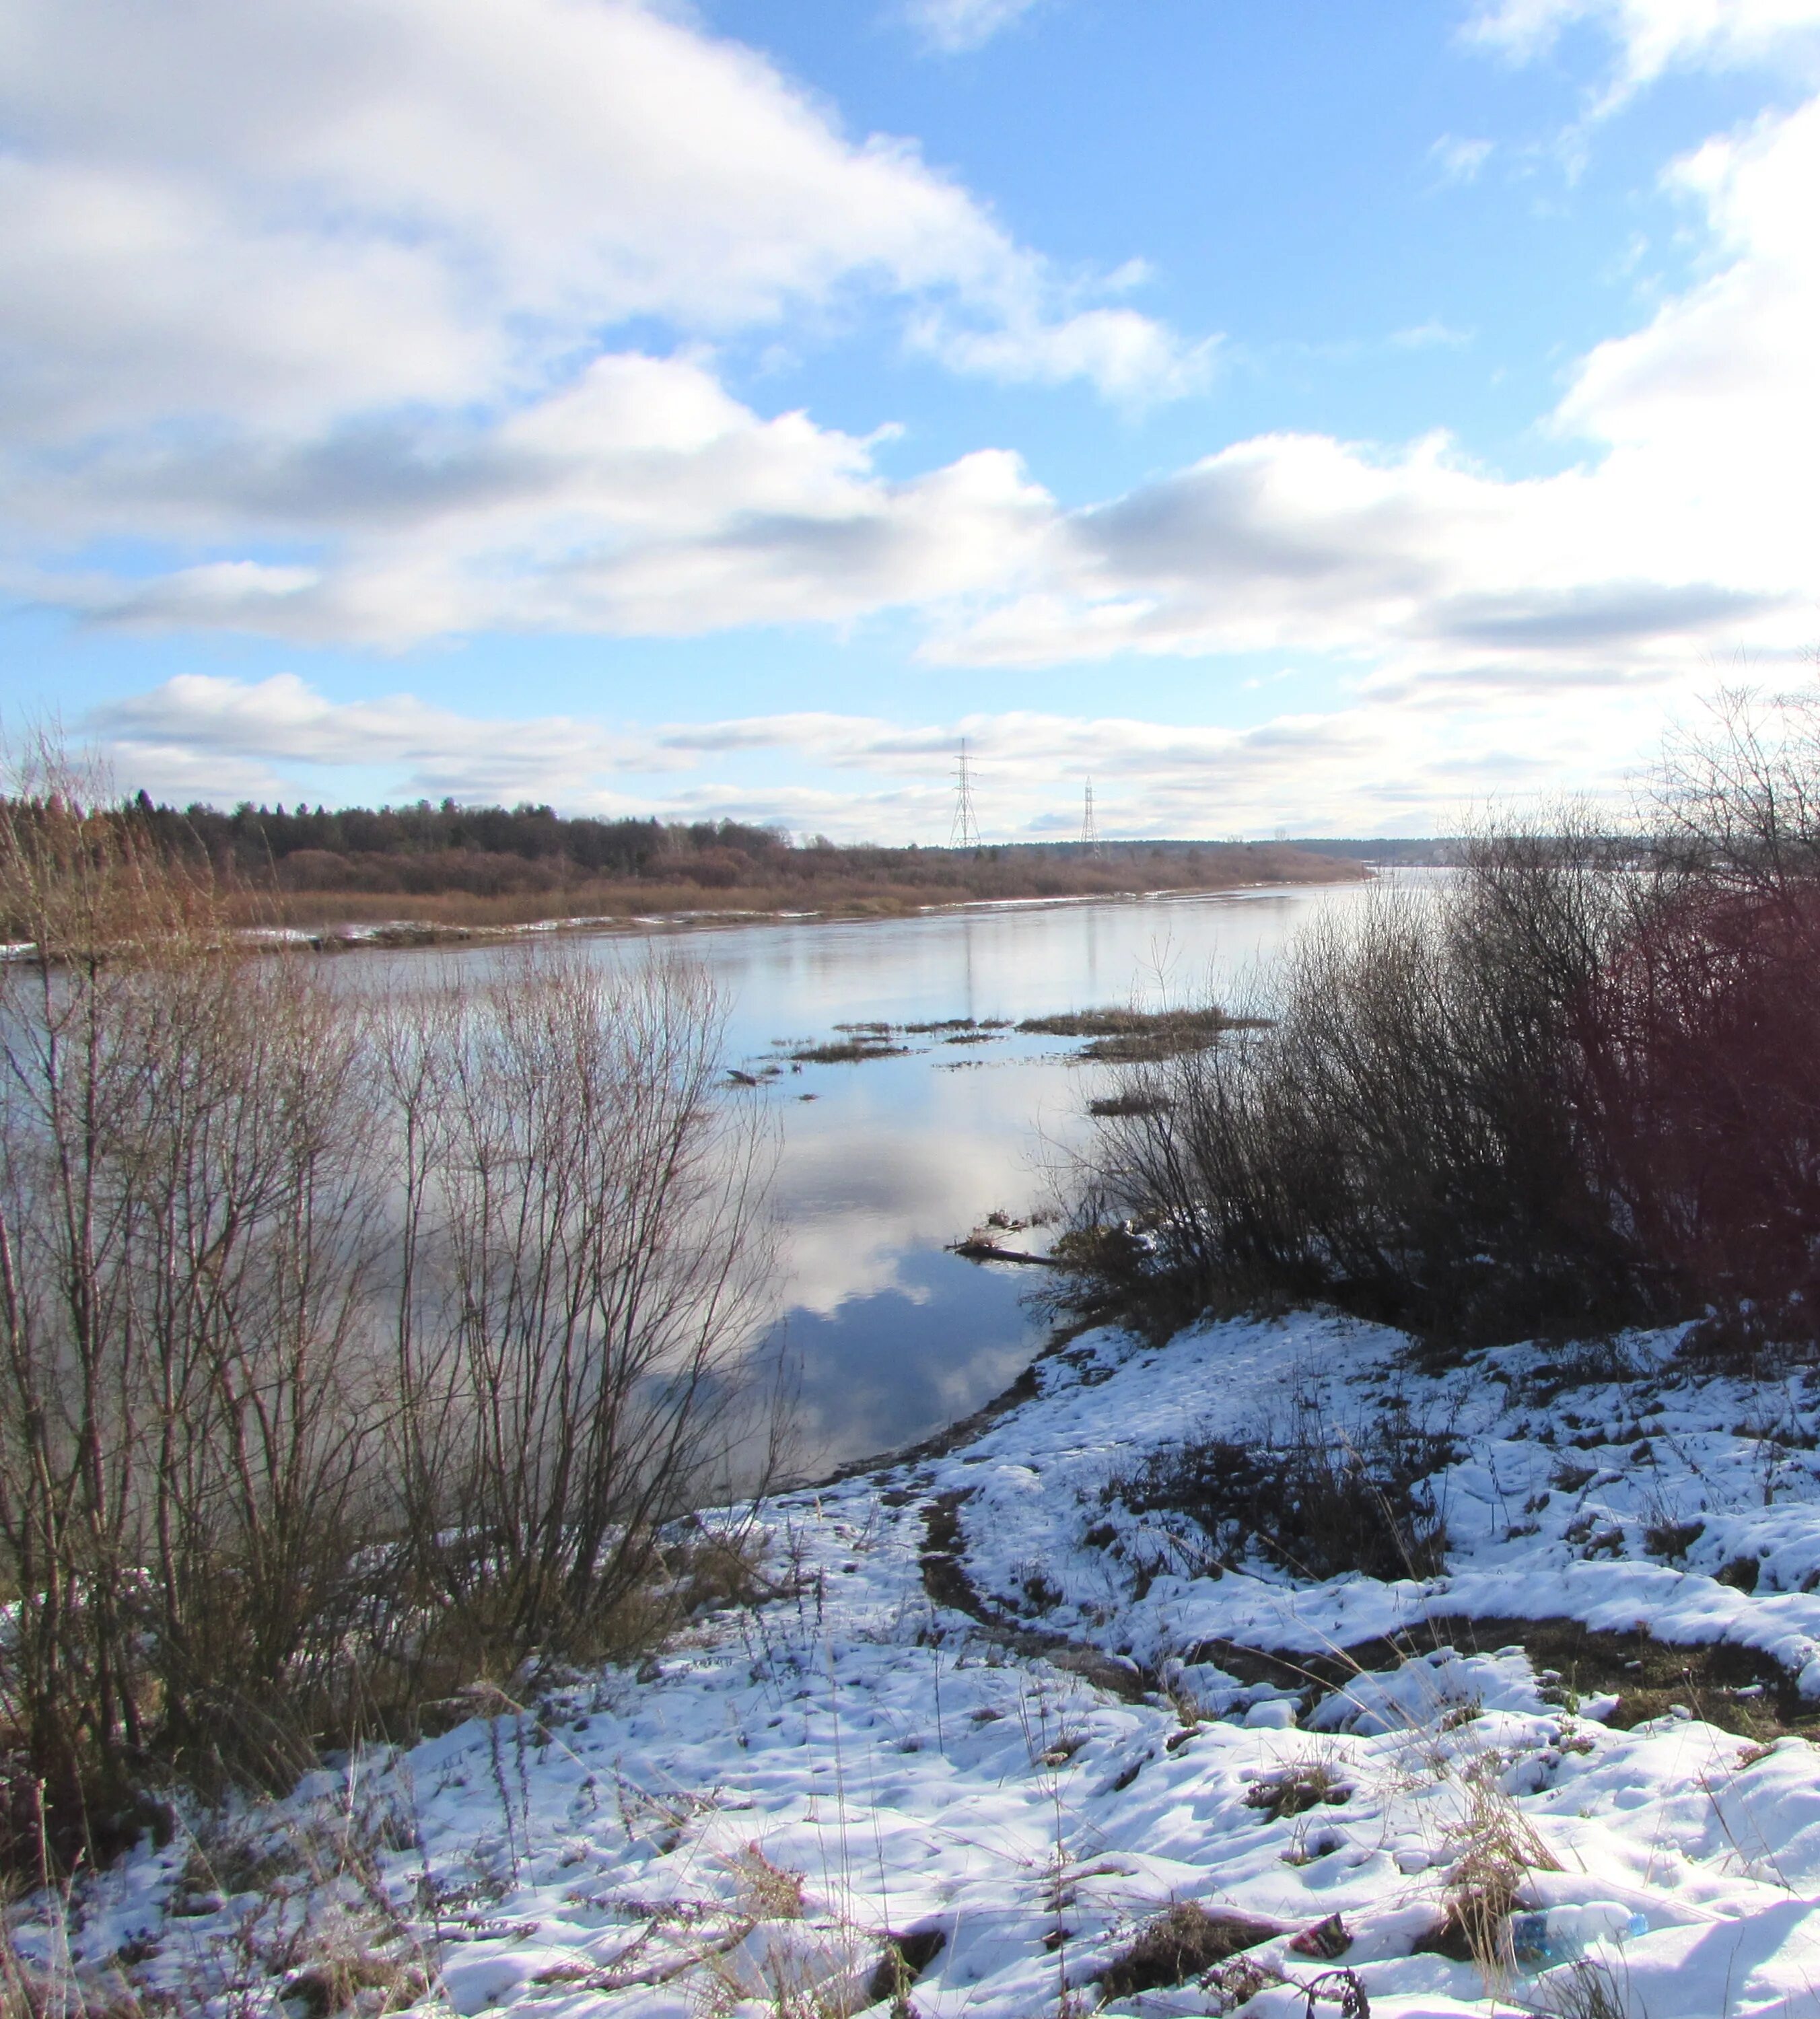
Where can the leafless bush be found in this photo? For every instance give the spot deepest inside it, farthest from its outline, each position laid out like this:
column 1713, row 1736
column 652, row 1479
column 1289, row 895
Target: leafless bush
column 1401, row 1139
column 1316, row 1501
column 1578, row 1088
column 339, row 1342
column 181, row 1177
column 581, row 1271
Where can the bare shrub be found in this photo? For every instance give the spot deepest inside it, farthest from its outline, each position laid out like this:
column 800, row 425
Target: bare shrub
column 181, row 1180
column 1702, row 1055
column 1578, row 1089
column 1399, row 1139
column 1315, row 1500
column 582, row 1270
column 346, row 1350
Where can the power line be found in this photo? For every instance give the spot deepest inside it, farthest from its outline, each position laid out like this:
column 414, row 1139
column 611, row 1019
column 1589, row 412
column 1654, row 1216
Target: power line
column 964, row 831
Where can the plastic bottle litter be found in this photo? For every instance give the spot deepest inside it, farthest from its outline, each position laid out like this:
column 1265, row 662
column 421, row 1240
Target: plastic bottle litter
column 1559, row 1935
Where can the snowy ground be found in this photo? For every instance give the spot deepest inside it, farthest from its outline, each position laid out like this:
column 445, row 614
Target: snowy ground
column 1098, row 1737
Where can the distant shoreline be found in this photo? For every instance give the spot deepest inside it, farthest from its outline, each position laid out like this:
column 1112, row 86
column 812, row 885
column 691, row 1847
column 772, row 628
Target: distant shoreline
column 404, row 934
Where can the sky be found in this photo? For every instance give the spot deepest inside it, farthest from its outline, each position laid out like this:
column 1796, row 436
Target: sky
column 1300, row 416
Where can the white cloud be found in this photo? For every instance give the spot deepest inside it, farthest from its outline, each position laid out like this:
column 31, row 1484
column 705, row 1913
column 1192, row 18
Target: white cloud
column 1369, row 767
column 183, row 730
column 280, row 218
column 641, row 499
column 636, row 496
column 1687, row 530
column 1459, row 161
column 620, row 493
column 1431, row 335
column 953, row 26
column 1654, row 36
column 1128, row 357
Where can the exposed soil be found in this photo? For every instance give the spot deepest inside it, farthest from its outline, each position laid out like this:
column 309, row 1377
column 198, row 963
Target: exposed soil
column 1737, row 1689
column 945, row 1579
column 1180, row 1945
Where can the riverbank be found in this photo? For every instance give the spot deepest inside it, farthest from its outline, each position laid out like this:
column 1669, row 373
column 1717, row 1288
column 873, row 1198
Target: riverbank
column 349, row 937
column 792, row 882
column 1049, row 1717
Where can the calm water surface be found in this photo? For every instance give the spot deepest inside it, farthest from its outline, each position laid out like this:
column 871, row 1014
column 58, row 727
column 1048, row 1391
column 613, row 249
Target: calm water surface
column 893, row 1159
column 882, row 1163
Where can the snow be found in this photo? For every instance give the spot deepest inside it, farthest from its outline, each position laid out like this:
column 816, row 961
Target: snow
column 733, row 1830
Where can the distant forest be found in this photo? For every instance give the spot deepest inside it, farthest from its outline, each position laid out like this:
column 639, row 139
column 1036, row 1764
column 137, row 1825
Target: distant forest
column 496, row 864
column 486, row 851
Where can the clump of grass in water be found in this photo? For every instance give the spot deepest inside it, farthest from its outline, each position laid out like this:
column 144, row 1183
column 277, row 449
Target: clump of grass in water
column 849, row 1052
column 1130, row 1101
column 1128, row 1037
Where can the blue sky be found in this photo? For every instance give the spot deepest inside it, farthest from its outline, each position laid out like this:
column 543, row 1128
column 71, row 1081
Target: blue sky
column 1304, row 415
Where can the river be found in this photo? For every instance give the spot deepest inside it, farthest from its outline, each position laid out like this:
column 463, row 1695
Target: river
column 884, row 1163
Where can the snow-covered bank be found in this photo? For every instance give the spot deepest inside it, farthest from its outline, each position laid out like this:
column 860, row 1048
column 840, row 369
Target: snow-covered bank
column 952, row 1727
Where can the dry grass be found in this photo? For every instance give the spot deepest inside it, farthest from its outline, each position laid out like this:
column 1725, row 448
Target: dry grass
column 767, row 1892
column 1128, row 1101
column 1183, row 1942
column 906, row 882
column 1314, row 1498
column 792, row 1971
column 846, row 1051
column 1294, row 1791
column 1485, row 1883
column 1132, row 1037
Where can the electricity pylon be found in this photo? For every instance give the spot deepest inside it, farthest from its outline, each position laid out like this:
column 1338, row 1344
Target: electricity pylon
column 964, row 831
column 1089, row 827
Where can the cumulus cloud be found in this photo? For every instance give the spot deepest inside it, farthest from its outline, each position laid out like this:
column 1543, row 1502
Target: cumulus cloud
column 636, row 496
column 281, row 217
column 642, row 499
column 316, row 305
column 424, row 439
column 953, row 26
column 1127, row 357
column 1685, row 529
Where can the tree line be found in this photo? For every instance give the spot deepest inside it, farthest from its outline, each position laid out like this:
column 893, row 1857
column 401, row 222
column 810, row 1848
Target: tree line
column 305, row 847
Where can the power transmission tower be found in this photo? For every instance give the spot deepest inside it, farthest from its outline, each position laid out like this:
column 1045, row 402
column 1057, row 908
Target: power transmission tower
column 964, row 832
column 1089, row 827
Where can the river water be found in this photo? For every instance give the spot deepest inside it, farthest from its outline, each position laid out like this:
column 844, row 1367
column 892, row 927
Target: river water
column 884, row 1163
